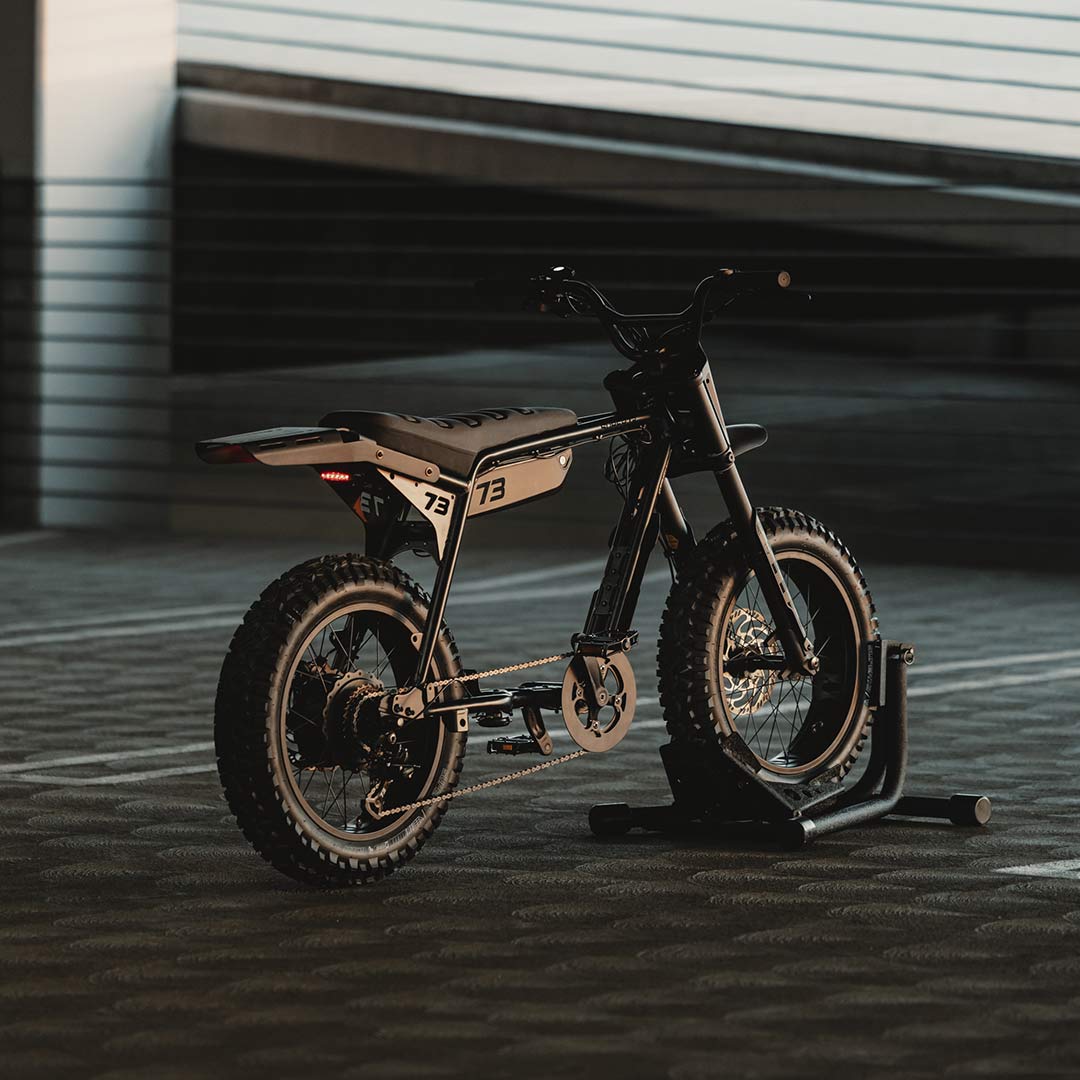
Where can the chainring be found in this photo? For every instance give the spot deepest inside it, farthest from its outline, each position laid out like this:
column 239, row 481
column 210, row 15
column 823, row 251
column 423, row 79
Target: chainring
column 598, row 727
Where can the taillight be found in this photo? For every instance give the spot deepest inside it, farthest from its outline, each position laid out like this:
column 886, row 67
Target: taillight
column 332, row 476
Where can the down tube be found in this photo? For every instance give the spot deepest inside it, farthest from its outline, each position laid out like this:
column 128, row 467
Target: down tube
column 613, row 603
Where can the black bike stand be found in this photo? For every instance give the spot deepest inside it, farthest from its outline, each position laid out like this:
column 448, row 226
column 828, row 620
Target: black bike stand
column 716, row 786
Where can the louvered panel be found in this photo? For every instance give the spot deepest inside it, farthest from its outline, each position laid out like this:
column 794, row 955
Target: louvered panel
column 1004, row 80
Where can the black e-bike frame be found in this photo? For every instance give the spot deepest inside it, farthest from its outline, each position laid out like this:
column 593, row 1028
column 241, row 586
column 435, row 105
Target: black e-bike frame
column 666, row 408
column 666, row 404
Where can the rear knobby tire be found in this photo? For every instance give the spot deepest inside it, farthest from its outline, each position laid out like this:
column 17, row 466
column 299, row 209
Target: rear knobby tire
column 798, row 730
column 256, row 749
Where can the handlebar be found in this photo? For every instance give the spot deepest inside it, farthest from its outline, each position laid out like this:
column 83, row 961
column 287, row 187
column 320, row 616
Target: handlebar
column 638, row 337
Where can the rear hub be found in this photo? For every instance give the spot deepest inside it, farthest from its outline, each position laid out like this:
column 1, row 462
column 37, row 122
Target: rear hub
column 356, row 732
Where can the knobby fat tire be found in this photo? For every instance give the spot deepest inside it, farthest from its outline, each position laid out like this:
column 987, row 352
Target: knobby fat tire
column 246, row 719
column 689, row 628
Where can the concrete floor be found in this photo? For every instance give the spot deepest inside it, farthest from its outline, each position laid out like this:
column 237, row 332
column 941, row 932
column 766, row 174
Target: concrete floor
column 141, row 938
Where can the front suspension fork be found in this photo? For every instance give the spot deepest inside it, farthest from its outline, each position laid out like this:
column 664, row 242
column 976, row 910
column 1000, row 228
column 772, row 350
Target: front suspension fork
column 799, row 655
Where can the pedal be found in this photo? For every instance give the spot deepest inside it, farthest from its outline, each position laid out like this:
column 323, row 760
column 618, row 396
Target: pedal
column 604, row 645
column 492, row 719
column 515, row 744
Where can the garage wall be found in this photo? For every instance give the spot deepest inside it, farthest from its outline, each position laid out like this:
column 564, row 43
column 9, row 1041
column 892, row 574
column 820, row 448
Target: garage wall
column 85, row 231
column 975, row 74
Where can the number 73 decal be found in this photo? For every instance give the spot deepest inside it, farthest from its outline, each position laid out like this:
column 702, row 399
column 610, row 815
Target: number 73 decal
column 491, row 490
column 504, row 486
column 434, row 503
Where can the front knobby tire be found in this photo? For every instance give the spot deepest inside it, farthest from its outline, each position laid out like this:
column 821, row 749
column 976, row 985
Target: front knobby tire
column 290, row 758
column 797, row 729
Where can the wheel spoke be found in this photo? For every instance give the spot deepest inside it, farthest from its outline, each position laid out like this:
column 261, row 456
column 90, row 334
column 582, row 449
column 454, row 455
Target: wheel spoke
column 342, row 655
column 379, row 670
column 337, row 769
column 371, row 643
column 316, row 663
column 294, row 711
column 796, row 714
column 772, row 731
column 760, row 726
column 344, row 795
column 773, row 711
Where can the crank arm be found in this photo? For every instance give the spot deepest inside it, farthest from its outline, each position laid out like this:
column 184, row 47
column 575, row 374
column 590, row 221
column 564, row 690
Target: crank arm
column 534, row 722
column 595, row 669
column 495, row 699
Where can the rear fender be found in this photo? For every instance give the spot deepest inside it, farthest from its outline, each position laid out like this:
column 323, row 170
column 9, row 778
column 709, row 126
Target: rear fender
column 310, row 446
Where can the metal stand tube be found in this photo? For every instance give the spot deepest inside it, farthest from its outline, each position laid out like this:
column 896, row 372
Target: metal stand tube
column 891, row 726
column 697, row 807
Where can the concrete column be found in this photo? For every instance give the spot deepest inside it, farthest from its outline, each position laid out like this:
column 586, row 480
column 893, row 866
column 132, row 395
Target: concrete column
column 87, row 93
column 19, row 413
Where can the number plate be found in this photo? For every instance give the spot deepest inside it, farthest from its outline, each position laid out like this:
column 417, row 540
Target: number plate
column 436, row 504
column 517, row 483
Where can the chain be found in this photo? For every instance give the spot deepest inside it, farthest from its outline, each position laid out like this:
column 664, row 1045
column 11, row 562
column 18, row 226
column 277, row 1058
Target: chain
column 494, row 782
column 357, row 699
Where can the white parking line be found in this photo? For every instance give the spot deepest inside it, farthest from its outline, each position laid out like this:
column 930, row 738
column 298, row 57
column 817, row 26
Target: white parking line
column 96, row 633
column 149, row 616
column 1062, row 868
column 997, row 661
column 1054, row 675
column 184, row 620
column 93, row 631
column 941, row 689
column 475, row 592
column 23, row 538
column 173, row 750
column 545, row 593
column 117, row 778
column 544, row 573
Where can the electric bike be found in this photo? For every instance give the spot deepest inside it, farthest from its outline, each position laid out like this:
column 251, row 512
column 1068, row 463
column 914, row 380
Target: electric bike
column 343, row 707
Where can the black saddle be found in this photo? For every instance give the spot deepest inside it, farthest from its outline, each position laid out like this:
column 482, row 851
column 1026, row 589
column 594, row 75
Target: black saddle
column 451, row 442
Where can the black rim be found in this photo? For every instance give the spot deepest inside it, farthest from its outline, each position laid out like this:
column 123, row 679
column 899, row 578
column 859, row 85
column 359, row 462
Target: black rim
column 792, row 725
column 333, row 764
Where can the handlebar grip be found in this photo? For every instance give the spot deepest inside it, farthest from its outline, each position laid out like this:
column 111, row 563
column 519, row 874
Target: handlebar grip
column 739, row 280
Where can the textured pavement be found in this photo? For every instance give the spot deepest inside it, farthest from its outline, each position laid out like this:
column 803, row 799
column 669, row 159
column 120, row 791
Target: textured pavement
column 141, row 938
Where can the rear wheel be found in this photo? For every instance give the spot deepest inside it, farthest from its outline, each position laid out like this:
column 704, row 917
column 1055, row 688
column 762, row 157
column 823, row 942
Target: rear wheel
column 797, row 727
column 310, row 768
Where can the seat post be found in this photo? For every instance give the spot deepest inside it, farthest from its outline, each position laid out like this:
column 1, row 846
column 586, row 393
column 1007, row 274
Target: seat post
column 440, row 590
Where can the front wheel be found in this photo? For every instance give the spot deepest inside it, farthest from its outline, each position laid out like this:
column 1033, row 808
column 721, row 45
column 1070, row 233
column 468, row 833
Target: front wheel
column 800, row 727
column 311, row 772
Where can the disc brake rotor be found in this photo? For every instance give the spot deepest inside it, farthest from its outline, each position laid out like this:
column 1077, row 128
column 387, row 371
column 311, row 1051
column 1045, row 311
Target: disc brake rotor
column 749, row 631
column 599, row 726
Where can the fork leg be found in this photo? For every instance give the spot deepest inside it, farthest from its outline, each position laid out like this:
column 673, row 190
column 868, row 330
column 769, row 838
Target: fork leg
column 712, row 438
column 798, row 649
